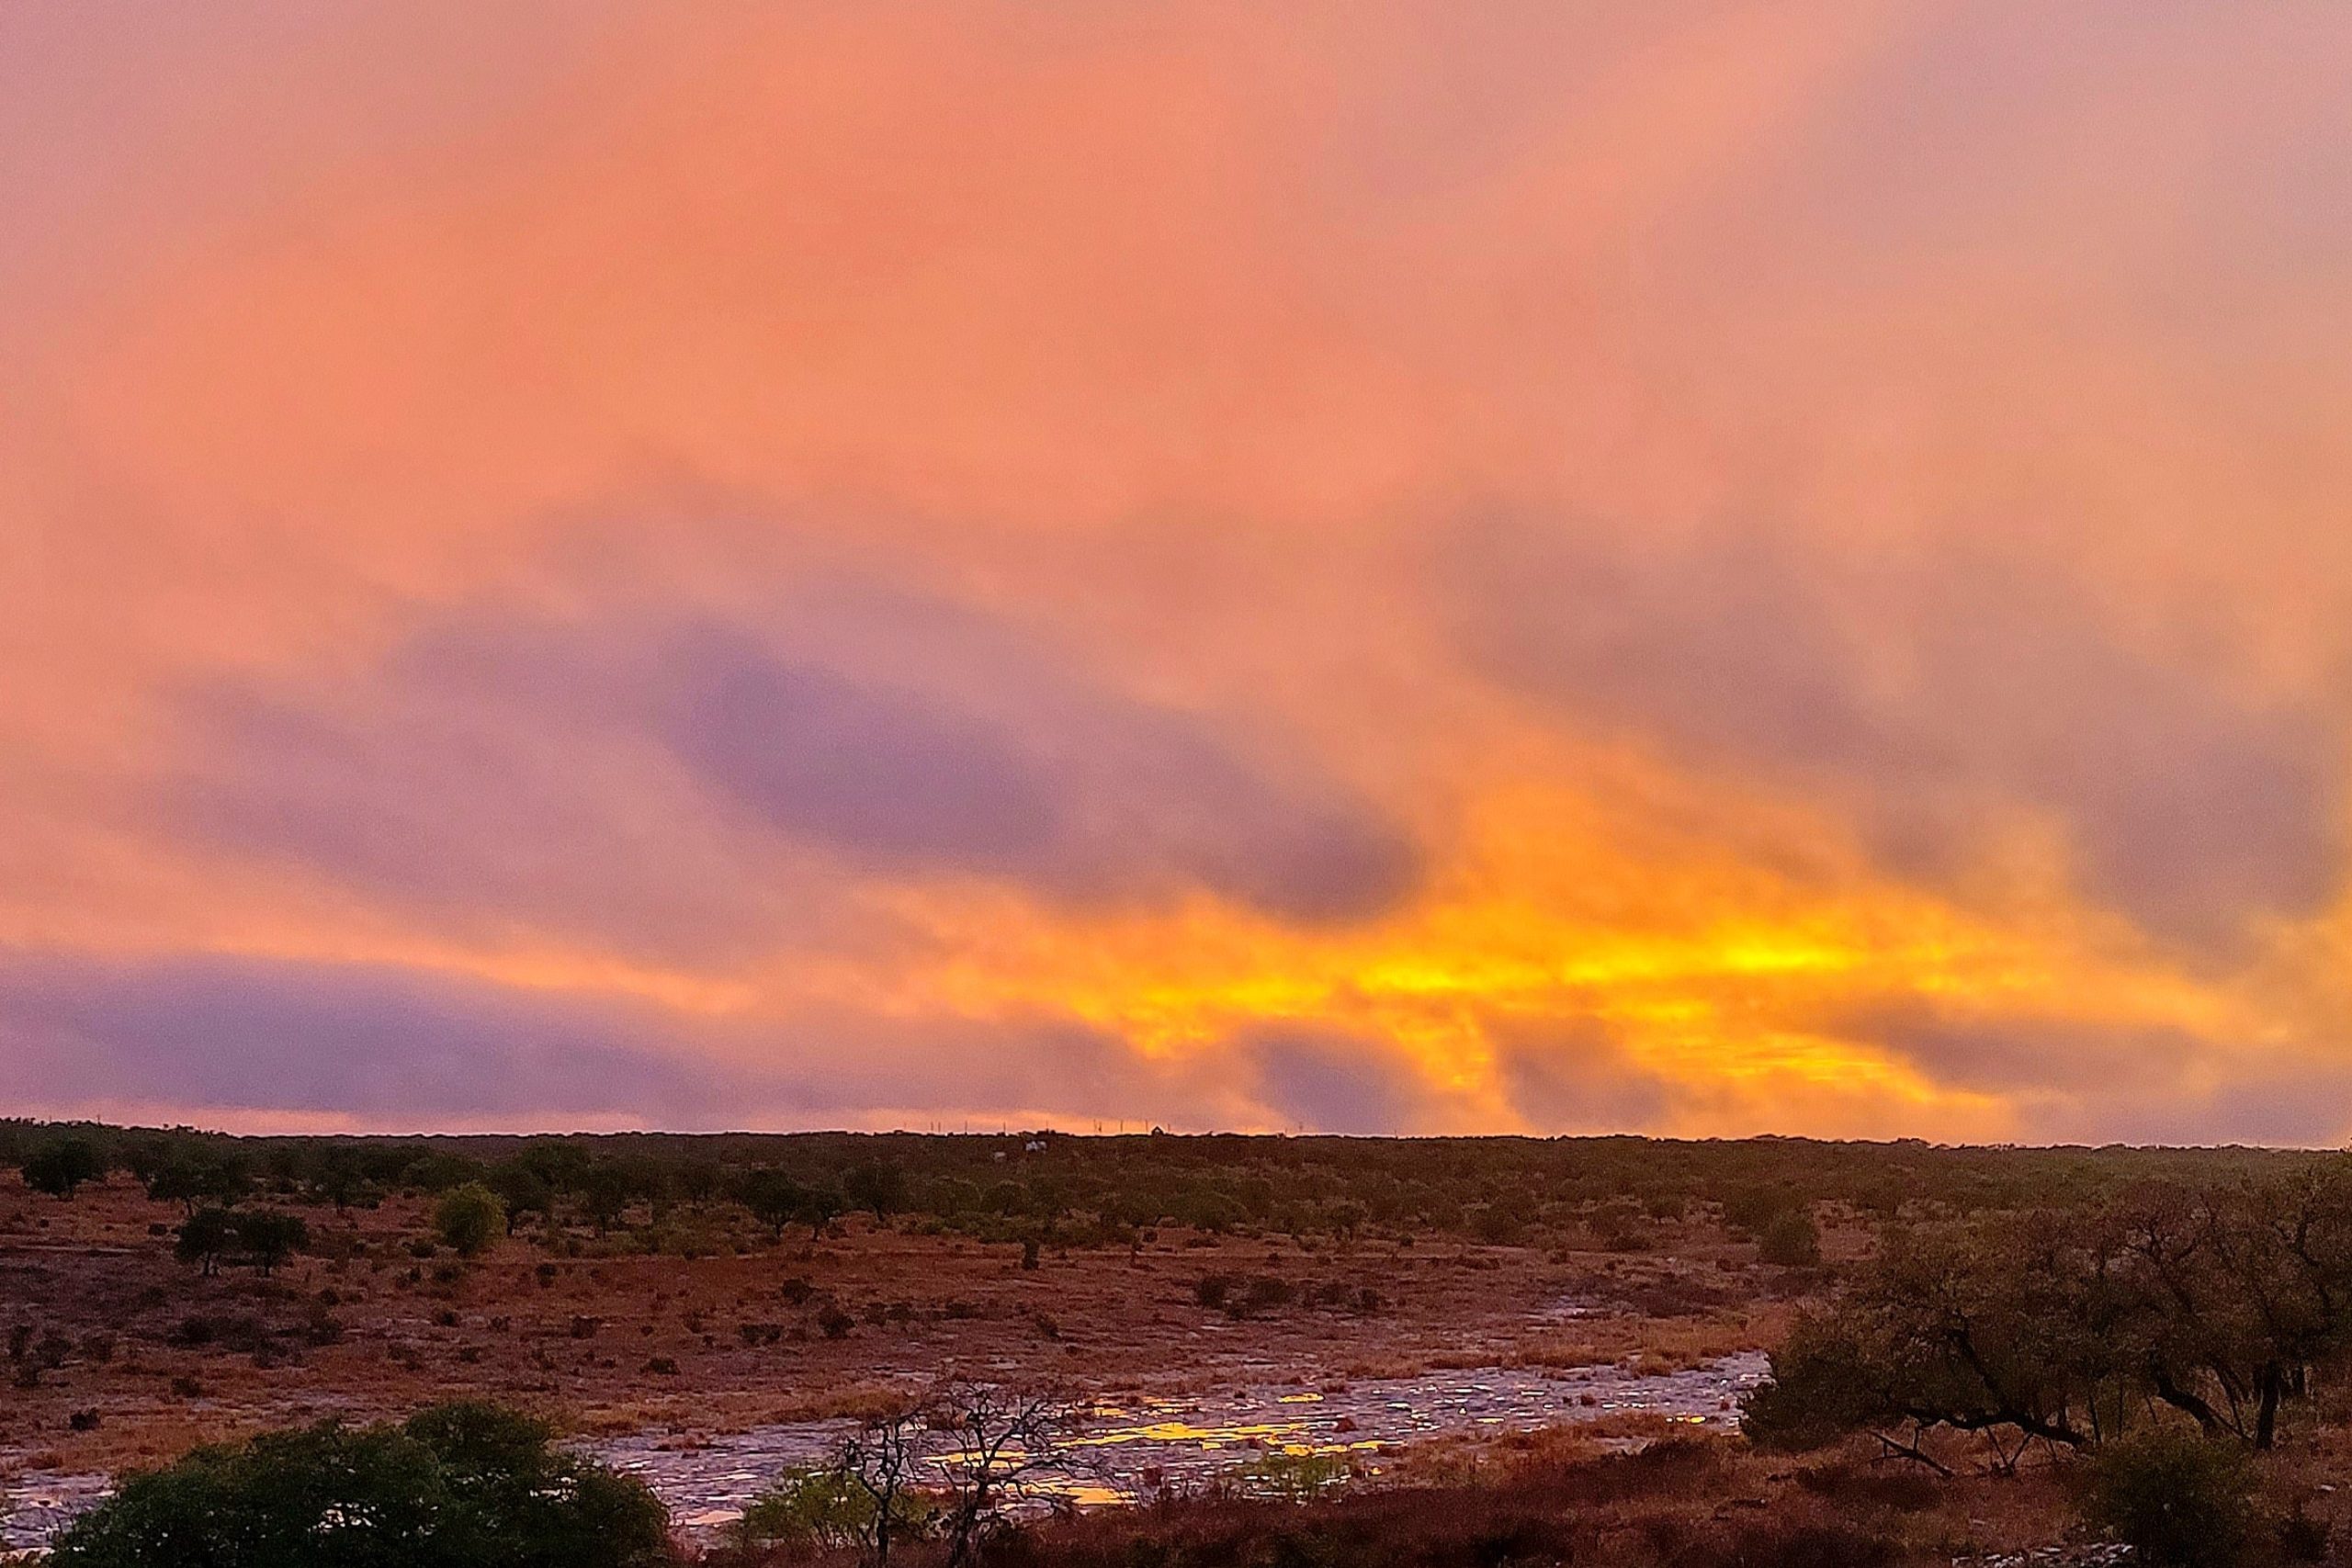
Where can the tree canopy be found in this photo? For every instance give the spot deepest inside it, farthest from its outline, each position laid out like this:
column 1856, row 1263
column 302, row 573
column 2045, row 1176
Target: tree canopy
column 457, row 1486
column 2067, row 1326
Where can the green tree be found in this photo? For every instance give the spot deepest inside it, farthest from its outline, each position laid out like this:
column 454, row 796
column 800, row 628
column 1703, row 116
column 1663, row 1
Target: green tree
column 270, row 1237
column 469, row 1218
column 605, row 1192
column 439, row 1170
column 340, row 1177
column 458, row 1486
column 61, row 1165
column 204, row 1236
column 774, row 1197
column 2004, row 1330
column 522, row 1189
column 822, row 1510
column 877, row 1186
column 190, row 1176
column 820, row 1207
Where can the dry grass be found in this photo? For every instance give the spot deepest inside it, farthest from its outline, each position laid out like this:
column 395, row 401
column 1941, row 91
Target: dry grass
column 366, row 1330
column 1557, row 1497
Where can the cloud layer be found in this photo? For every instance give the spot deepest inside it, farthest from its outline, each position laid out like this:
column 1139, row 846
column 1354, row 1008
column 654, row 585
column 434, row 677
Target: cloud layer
column 1362, row 567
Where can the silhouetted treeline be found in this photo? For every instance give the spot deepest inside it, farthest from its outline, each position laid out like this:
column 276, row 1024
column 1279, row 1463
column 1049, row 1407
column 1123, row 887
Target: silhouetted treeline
column 1497, row 1189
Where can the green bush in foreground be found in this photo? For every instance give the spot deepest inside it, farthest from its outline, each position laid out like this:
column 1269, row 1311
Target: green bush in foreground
column 458, row 1486
column 825, row 1509
column 2177, row 1499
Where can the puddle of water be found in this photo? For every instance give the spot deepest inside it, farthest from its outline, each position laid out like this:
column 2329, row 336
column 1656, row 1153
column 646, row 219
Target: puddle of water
column 37, row 1504
column 1129, row 1449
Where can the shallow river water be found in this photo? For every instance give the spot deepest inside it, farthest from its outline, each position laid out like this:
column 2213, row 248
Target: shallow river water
column 1126, row 1450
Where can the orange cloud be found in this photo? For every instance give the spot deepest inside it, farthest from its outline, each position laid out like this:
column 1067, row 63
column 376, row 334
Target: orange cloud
column 1369, row 567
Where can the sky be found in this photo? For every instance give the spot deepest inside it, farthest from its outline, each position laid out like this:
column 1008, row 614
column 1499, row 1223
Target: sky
column 1368, row 567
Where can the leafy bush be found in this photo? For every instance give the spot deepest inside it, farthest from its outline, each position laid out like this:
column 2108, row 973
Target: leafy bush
column 270, row 1237
column 1789, row 1238
column 811, row 1510
column 469, row 1218
column 1751, row 1209
column 458, row 1486
column 1822, row 1386
column 2177, row 1499
column 60, row 1166
column 204, row 1236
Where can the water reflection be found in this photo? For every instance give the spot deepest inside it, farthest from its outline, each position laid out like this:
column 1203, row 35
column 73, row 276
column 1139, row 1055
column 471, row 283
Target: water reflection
column 37, row 1504
column 1134, row 1446
column 1130, row 1447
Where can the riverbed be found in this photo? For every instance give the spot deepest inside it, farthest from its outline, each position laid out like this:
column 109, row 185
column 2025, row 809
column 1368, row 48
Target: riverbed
column 1124, row 1448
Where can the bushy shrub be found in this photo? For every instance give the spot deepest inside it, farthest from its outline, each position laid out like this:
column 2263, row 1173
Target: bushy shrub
column 204, row 1236
column 813, row 1510
column 1751, row 1208
column 1822, row 1387
column 2176, row 1498
column 1789, row 1238
column 61, row 1165
column 458, row 1486
column 270, row 1237
column 469, row 1218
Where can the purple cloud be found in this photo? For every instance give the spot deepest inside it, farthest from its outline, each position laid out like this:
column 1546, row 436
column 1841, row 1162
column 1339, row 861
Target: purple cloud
column 375, row 1042
column 1329, row 1080
column 1569, row 1075
column 661, row 776
column 400, row 1047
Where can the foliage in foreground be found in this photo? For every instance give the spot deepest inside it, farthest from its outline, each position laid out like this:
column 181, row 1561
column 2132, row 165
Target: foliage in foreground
column 1661, row 1505
column 2177, row 1499
column 457, row 1486
column 2214, row 1304
column 825, row 1509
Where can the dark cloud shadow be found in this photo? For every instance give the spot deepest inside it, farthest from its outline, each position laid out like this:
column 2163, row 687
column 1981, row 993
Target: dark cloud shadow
column 2075, row 1079
column 1569, row 1075
column 671, row 778
column 375, row 1042
column 406, row 1048
column 1332, row 1080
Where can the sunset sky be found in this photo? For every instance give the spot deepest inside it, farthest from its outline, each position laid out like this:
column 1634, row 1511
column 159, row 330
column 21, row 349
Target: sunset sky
column 1545, row 568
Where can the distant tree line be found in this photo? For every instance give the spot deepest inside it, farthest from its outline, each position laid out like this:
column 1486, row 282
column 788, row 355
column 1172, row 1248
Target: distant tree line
column 1103, row 1191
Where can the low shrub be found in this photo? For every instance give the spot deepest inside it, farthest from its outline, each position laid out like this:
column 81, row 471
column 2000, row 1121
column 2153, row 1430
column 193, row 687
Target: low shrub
column 457, row 1486
column 1790, row 1239
column 2176, row 1498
